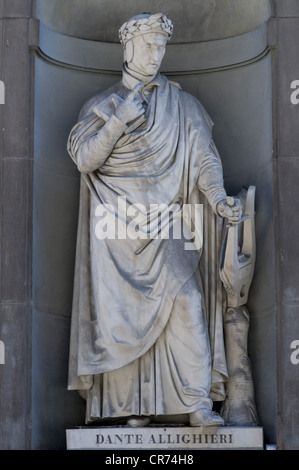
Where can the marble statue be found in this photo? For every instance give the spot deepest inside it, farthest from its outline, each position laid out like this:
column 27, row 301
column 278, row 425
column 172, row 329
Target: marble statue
column 147, row 331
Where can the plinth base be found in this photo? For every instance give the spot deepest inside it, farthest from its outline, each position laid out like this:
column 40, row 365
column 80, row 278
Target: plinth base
column 162, row 438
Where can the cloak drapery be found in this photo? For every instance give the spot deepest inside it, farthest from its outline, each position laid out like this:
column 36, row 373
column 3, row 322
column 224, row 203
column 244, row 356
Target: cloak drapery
column 125, row 286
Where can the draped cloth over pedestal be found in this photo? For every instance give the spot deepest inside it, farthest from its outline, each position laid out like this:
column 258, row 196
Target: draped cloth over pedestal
column 126, row 288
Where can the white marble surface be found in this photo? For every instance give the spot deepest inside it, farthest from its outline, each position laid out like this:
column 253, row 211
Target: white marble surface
column 182, row 437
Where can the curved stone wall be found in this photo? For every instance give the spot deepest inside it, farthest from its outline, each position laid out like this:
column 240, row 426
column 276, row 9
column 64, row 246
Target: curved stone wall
column 194, row 20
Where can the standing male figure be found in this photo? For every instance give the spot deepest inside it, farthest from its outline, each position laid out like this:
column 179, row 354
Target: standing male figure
column 139, row 340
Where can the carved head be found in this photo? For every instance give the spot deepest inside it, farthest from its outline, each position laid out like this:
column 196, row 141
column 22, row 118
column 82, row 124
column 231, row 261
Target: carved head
column 144, row 39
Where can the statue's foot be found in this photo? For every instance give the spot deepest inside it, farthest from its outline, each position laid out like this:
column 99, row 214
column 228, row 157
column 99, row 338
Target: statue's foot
column 137, row 421
column 205, row 417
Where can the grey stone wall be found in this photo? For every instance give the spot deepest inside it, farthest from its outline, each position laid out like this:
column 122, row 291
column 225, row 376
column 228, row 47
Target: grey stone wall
column 285, row 30
column 15, row 223
column 244, row 79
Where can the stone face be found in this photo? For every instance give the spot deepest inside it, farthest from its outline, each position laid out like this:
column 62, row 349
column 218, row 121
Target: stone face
column 15, row 230
column 17, row 8
column 286, row 8
column 288, row 376
column 288, row 75
column 13, row 377
column 162, row 438
column 287, row 173
column 288, row 169
column 13, row 243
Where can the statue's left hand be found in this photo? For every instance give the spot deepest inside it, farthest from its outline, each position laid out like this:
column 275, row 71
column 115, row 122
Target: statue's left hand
column 230, row 208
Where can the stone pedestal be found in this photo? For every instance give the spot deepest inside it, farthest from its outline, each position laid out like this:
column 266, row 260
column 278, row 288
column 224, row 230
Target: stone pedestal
column 165, row 438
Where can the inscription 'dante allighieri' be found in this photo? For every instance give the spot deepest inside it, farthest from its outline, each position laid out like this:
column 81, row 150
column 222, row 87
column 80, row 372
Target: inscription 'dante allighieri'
column 139, row 439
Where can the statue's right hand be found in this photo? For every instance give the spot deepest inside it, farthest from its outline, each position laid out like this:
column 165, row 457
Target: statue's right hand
column 231, row 208
column 131, row 107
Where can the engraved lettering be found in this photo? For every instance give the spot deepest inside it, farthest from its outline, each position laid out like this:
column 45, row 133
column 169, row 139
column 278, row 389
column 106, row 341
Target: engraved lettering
column 196, row 438
column 169, row 439
column 152, row 439
column 185, row 438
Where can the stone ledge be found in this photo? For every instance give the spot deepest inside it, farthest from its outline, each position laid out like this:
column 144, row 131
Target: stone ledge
column 165, row 437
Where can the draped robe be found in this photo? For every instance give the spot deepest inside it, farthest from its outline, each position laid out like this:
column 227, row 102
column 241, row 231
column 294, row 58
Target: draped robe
column 128, row 291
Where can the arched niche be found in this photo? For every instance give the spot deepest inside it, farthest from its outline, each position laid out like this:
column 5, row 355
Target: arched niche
column 195, row 20
column 219, row 53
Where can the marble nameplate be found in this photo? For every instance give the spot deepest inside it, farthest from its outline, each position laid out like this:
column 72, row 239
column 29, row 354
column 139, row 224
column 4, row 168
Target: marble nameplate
column 182, row 437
